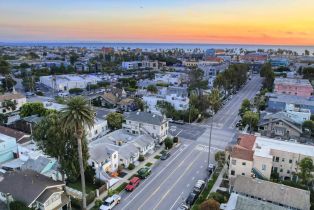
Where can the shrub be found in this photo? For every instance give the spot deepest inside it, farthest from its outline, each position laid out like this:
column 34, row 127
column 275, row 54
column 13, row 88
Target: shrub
column 141, row 158
column 217, row 197
column 98, row 203
column 157, row 157
column 17, row 205
column 168, row 143
column 175, row 139
column 148, row 164
column 131, row 166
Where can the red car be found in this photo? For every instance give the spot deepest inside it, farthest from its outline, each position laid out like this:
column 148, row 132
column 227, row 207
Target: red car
column 134, row 182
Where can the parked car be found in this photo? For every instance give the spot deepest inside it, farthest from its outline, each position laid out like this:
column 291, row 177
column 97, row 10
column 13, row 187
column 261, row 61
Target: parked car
column 198, row 187
column 143, row 173
column 110, row 202
column 191, row 199
column 134, row 182
column 211, row 168
column 165, row 156
column 183, row 207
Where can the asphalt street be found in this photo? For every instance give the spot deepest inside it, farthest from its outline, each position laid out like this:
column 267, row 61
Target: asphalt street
column 173, row 179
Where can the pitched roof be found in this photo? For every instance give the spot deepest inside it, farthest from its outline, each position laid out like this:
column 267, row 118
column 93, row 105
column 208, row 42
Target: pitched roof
column 244, row 149
column 273, row 192
column 18, row 135
column 11, row 96
column 281, row 116
column 45, row 195
column 145, row 117
column 126, row 101
column 26, row 185
column 110, row 98
column 100, row 152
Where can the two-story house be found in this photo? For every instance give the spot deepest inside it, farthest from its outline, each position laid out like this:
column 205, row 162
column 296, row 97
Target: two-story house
column 6, row 99
column 8, row 148
column 103, row 158
column 156, row 126
column 35, row 190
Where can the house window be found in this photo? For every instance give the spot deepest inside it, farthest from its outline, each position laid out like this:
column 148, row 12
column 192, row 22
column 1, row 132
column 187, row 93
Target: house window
column 281, row 170
column 290, row 161
column 115, row 156
column 263, row 167
column 283, row 160
column 234, row 162
column 232, row 172
column 243, row 174
column 244, row 163
column 277, row 159
column 288, row 171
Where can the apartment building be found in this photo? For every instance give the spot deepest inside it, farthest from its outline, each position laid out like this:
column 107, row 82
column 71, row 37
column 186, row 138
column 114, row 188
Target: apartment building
column 260, row 156
column 298, row 87
column 156, row 126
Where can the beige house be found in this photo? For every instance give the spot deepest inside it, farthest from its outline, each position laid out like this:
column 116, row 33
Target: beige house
column 260, row 156
column 15, row 97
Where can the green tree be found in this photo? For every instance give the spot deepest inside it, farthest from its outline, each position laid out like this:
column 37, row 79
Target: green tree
column 139, row 104
column 4, row 67
column 73, row 57
column 245, row 106
column 168, row 143
column 76, row 116
column 220, row 157
column 114, row 120
column 9, row 105
column 307, row 52
column 214, row 100
column 60, row 145
column 250, row 118
column 152, row 89
column 308, row 125
column 32, row 55
column 8, row 83
column 307, row 168
column 32, row 108
column 18, row 205
column 218, row 197
column 269, row 76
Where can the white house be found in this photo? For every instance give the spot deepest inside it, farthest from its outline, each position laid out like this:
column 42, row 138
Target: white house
column 15, row 97
column 103, row 158
column 171, row 78
column 144, row 143
column 156, row 126
column 100, row 128
column 299, row 115
column 67, row 82
column 128, row 65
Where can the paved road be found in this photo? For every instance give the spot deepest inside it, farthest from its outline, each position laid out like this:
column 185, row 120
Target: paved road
column 172, row 180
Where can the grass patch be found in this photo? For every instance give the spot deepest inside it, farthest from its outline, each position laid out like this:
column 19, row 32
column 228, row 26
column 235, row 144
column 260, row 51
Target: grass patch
column 118, row 189
column 77, row 186
column 157, row 157
column 148, row 164
column 202, row 197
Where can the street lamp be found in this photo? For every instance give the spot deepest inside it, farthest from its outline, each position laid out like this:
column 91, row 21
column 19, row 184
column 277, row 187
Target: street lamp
column 210, row 136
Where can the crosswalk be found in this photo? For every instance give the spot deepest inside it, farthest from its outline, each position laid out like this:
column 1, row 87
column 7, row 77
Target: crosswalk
column 204, row 148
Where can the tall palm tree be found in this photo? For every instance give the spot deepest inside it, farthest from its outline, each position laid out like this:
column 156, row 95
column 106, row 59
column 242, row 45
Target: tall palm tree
column 75, row 118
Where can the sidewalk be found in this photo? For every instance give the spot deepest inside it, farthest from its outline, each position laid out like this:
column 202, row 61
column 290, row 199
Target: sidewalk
column 129, row 174
column 219, row 180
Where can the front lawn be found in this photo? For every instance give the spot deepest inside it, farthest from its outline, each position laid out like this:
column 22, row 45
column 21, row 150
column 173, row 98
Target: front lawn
column 77, row 186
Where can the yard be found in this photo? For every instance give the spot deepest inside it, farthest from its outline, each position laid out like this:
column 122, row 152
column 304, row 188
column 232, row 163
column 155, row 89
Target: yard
column 77, row 186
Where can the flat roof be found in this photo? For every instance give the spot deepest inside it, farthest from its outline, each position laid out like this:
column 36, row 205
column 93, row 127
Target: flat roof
column 290, row 99
column 264, row 145
column 290, row 81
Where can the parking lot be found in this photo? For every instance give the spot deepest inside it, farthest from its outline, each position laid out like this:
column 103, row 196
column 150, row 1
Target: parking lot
column 186, row 131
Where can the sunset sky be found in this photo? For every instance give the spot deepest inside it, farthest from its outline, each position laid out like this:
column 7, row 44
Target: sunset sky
column 286, row 22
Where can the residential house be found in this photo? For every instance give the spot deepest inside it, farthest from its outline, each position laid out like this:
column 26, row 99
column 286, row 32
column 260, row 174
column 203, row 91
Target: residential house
column 261, row 156
column 35, row 190
column 279, row 62
column 99, row 128
column 19, row 136
column 278, row 102
column 103, row 158
column 171, row 78
column 15, row 97
column 26, row 124
column 108, row 100
column 156, row 126
column 48, row 167
column 127, row 104
column 274, row 193
column 280, row 125
column 144, row 143
column 298, row 114
column 8, row 148
column 298, row 87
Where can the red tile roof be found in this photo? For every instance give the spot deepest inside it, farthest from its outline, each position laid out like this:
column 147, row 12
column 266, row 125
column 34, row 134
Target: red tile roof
column 244, row 149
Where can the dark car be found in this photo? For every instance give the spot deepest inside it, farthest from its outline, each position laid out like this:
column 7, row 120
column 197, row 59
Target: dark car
column 191, row 199
column 198, row 187
column 165, row 156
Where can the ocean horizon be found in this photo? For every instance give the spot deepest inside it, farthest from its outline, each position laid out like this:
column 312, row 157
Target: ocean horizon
column 157, row 46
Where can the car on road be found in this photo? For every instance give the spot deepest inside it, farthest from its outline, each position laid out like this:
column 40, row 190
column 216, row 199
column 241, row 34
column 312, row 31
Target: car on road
column 191, row 199
column 134, row 182
column 143, row 173
column 211, row 168
column 165, row 156
column 110, row 202
column 198, row 187
column 183, row 206
column 180, row 122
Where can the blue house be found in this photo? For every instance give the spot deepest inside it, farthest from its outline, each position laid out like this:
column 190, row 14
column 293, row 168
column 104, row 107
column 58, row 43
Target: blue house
column 8, row 148
column 277, row 102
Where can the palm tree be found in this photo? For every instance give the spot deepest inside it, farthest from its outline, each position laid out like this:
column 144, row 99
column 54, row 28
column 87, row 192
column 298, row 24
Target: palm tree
column 75, row 118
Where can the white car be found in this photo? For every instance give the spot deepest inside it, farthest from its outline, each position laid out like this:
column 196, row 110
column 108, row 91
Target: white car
column 110, row 202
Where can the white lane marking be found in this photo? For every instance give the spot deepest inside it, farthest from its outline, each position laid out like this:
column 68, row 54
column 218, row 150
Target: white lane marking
column 193, row 178
column 179, row 132
column 188, row 185
column 176, row 201
column 156, row 177
column 187, row 169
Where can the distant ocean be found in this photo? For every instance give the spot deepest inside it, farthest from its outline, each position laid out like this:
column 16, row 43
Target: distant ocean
column 157, row 46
